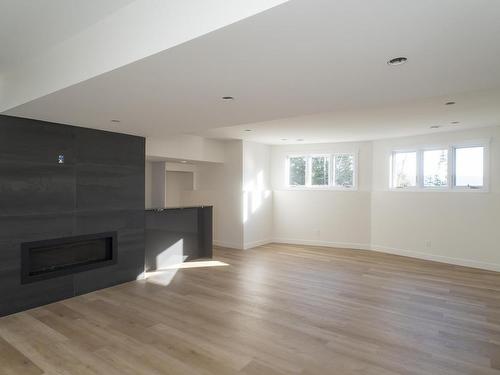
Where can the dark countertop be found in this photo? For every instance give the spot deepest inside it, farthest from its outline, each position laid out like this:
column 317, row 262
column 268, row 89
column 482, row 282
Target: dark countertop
column 174, row 208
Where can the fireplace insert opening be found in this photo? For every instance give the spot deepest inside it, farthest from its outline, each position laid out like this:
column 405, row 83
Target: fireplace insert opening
column 57, row 257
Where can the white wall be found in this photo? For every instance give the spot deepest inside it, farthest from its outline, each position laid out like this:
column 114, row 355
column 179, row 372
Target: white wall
column 257, row 195
column 326, row 217
column 455, row 227
column 213, row 183
column 155, row 174
column 187, row 147
column 177, row 182
column 220, row 185
column 165, row 181
column 239, row 190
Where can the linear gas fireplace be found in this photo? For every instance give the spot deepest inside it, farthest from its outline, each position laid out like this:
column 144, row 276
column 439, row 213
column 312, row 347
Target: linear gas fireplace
column 63, row 256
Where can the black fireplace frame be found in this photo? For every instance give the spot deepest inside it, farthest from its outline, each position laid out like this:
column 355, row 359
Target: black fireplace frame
column 27, row 278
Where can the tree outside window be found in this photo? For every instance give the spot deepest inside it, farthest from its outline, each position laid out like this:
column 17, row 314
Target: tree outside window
column 344, row 170
column 319, row 170
column 297, row 170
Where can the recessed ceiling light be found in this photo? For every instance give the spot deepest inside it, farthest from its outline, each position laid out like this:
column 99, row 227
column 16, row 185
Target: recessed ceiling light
column 116, row 121
column 184, row 161
column 248, row 130
column 434, row 127
column 449, row 103
column 397, row 61
column 284, row 139
column 228, row 98
column 300, row 140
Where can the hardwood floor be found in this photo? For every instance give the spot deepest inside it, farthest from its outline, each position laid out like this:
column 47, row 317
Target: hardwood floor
column 276, row 309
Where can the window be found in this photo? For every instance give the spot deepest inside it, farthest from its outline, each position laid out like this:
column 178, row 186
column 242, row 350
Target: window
column 435, row 168
column 320, row 167
column 404, row 169
column 344, row 170
column 321, row 171
column 469, row 167
column 297, row 168
column 444, row 168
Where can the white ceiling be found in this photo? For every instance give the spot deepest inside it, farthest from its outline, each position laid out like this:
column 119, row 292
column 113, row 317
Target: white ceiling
column 134, row 32
column 29, row 27
column 318, row 64
column 472, row 110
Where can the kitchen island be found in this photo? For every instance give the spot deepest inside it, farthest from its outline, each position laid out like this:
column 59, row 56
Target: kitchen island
column 177, row 234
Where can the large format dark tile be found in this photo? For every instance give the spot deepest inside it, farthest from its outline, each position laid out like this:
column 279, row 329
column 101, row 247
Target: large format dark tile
column 106, row 187
column 97, row 147
column 17, row 297
column 130, row 264
column 98, row 188
column 35, row 141
column 22, row 228
column 27, row 188
column 105, row 278
column 9, row 256
column 108, row 220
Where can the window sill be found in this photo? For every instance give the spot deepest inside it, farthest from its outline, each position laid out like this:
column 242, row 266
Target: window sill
column 318, row 188
column 437, row 190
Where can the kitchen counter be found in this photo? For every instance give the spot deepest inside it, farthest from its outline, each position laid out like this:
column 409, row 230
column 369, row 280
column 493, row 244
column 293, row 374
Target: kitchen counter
column 174, row 208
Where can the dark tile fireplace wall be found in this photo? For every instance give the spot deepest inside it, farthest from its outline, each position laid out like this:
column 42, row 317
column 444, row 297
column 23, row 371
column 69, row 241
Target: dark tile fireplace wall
column 99, row 188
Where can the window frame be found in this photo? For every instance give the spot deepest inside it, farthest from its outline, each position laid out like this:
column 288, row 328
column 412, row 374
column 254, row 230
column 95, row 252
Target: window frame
column 451, row 169
column 486, row 166
column 331, row 171
column 422, row 172
column 354, row 171
column 392, row 166
column 309, row 170
column 287, row 176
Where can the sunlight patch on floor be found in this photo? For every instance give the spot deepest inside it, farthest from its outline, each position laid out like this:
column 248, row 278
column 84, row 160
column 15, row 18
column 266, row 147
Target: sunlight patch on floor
column 163, row 278
column 165, row 275
column 205, row 263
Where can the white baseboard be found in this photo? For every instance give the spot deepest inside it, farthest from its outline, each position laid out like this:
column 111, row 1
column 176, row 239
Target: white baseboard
column 250, row 245
column 245, row 246
column 438, row 258
column 228, row 245
column 394, row 251
column 340, row 245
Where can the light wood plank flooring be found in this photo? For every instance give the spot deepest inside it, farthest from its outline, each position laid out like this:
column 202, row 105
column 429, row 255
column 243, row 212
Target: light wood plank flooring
column 276, row 309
